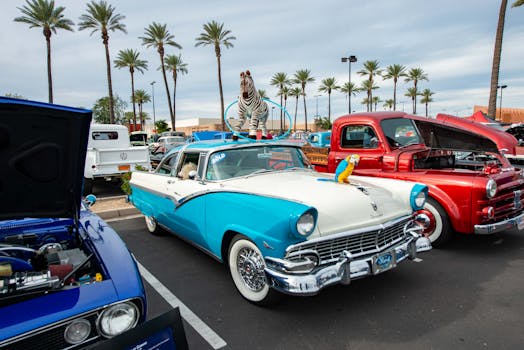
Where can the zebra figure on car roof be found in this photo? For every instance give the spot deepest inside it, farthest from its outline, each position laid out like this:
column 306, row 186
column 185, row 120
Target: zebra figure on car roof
column 251, row 105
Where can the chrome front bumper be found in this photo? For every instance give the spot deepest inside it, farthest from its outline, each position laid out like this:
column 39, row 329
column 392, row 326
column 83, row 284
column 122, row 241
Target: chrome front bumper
column 344, row 270
column 515, row 222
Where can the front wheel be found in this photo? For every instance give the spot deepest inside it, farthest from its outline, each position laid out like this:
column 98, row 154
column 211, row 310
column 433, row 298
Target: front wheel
column 438, row 229
column 247, row 265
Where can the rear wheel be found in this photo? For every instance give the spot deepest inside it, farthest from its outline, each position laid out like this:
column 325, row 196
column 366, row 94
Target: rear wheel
column 247, row 265
column 152, row 226
column 439, row 229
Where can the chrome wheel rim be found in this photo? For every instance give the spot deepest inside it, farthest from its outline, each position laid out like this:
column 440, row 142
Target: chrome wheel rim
column 250, row 266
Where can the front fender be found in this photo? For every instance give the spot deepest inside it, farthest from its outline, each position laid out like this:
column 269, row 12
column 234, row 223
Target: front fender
column 264, row 220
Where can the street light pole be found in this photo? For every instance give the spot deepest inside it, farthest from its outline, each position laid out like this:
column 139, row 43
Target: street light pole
column 500, row 104
column 153, row 94
column 316, row 96
column 272, row 110
column 349, row 59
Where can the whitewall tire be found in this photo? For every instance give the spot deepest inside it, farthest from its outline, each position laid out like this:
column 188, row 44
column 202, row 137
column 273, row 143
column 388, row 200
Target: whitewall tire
column 247, row 265
column 152, row 225
column 439, row 230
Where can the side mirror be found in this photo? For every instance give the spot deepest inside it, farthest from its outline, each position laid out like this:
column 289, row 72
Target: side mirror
column 90, row 199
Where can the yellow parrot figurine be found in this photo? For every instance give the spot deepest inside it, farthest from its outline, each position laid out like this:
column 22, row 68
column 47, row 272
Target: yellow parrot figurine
column 345, row 168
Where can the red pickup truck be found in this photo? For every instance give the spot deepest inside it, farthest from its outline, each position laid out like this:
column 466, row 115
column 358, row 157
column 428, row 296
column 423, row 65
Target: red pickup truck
column 473, row 188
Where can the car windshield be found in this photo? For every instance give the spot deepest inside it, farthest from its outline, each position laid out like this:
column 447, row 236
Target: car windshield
column 400, row 132
column 232, row 163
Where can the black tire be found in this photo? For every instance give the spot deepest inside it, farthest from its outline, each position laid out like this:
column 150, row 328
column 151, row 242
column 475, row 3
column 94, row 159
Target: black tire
column 248, row 274
column 88, row 186
column 441, row 230
column 152, row 226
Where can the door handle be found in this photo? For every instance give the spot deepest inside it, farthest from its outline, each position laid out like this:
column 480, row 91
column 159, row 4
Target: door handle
column 169, row 182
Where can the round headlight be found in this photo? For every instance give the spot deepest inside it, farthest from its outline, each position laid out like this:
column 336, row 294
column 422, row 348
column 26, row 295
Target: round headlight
column 77, row 331
column 420, row 199
column 117, row 319
column 491, row 188
column 306, row 224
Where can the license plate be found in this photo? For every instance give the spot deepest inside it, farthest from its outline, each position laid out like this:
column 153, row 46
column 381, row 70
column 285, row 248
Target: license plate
column 124, row 167
column 384, row 261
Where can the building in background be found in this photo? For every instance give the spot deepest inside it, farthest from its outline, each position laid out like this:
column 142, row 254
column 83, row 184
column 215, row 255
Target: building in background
column 504, row 115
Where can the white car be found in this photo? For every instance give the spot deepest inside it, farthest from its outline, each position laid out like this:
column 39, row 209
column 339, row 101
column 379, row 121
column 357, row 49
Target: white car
column 280, row 226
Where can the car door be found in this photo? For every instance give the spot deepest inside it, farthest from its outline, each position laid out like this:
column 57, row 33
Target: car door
column 187, row 217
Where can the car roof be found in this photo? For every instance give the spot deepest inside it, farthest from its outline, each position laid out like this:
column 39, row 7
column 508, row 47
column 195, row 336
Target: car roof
column 216, row 145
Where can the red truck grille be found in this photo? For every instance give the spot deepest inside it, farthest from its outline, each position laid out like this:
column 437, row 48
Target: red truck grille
column 507, row 204
column 362, row 243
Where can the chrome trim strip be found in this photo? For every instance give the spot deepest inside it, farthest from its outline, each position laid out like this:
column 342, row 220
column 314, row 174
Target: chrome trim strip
column 499, row 226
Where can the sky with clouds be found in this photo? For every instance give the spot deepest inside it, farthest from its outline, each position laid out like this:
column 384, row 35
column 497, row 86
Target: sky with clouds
column 452, row 41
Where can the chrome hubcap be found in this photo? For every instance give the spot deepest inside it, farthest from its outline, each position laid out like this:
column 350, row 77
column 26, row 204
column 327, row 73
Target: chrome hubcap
column 251, row 269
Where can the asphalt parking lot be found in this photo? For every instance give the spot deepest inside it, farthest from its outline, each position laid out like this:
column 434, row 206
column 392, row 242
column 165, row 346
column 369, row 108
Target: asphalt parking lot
column 466, row 296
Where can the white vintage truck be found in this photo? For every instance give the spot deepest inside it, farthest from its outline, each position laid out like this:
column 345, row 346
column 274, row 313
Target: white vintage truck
column 110, row 154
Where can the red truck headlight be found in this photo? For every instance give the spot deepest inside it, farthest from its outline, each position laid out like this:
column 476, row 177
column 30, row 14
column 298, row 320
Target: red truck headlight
column 491, row 188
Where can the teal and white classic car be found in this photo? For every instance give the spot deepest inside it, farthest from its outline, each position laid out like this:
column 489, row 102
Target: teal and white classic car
column 280, row 226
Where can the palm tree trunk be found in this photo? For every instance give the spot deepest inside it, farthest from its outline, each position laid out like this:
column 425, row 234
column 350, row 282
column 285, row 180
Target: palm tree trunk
column 394, row 94
column 305, row 110
column 329, row 106
column 221, row 92
column 174, row 100
column 109, row 85
column 133, row 98
column 142, row 126
column 49, row 75
column 281, row 112
column 492, row 106
column 426, row 109
column 284, row 117
column 167, row 90
column 415, row 99
column 296, row 110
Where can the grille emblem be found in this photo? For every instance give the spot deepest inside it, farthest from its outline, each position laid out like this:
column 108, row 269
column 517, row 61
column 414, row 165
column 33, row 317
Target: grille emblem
column 123, row 156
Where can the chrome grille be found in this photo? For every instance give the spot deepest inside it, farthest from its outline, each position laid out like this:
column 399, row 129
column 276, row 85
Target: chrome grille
column 357, row 243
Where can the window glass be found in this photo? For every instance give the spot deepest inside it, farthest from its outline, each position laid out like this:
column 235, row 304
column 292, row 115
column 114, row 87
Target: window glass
column 167, row 164
column 358, row 136
column 104, row 135
column 400, row 132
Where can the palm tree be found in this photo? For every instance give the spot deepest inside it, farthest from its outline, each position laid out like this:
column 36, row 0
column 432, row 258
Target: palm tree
column 262, row 93
column 295, row 92
column 280, row 80
column 284, row 93
column 328, row 85
column 129, row 58
column 368, row 86
column 415, row 75
column 43, row 14
column 389, row 103
column 141, row 97
column 371, row 69
column 492, row 106
column 394, row 71
column 101, row 17
column 349, row 88
column 157, row 35
column 302, row 77
column 412, row 93
column 426, row 98
column 376, row 100
column 215, row 34
column 175, row 65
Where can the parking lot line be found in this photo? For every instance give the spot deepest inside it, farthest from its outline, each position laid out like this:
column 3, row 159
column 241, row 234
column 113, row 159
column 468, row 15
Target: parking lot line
column 203, row 329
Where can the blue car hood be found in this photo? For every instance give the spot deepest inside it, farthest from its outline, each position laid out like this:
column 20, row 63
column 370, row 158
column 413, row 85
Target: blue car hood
column 42, row 156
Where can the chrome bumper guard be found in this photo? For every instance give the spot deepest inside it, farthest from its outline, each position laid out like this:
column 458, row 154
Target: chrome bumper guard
column 514, row 222
column 343, row 271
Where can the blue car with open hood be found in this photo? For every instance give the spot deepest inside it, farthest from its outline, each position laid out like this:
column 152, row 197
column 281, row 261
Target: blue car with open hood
column 67, row 280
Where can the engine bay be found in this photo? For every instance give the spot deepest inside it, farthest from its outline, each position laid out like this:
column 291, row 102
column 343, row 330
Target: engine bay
column 42, row 255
